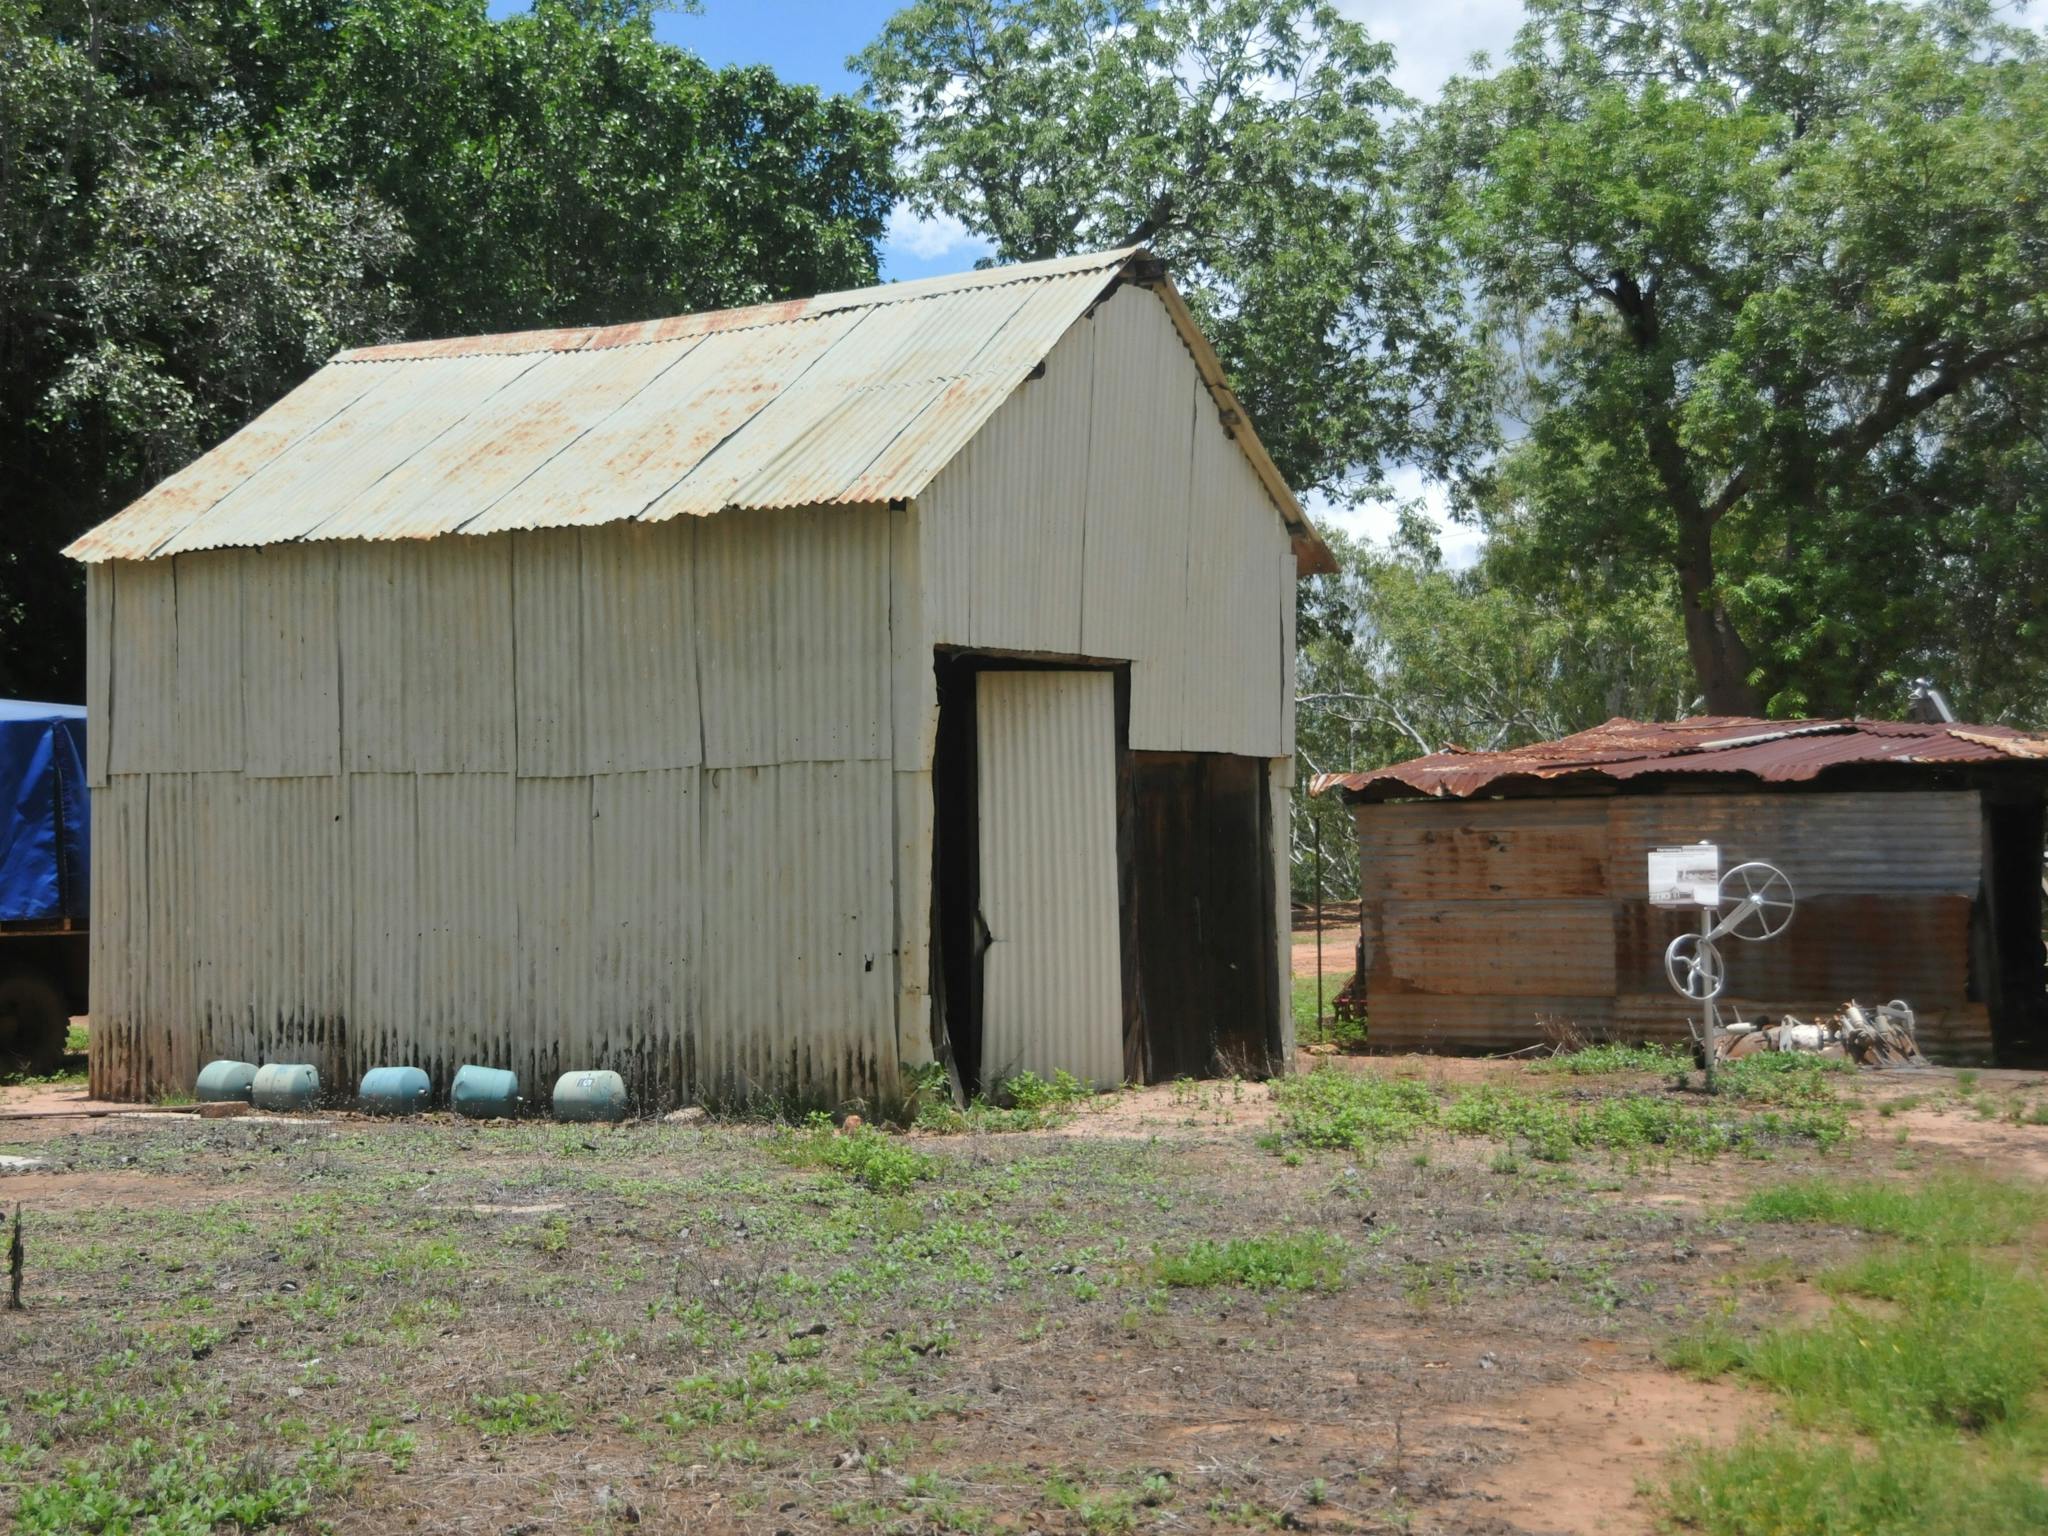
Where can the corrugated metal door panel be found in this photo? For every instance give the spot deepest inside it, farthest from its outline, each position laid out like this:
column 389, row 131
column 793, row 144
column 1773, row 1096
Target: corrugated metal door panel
column 144, row 668
column 1489, row 850
column 1052, row 980
column 746, row 944
column 647, row 882
column 459, row 670
column 1492, row 948
column 120, row 975
column 1026, row 479
column 209, row 724
column 558, row 1030
column 640, row 647
column 376, row 586
column 912, row 961
column 99, row 671
column 331, row 468
column 291, row 699
column 1140, row 458
column 1848, row 843
column 831, row 635
column 736, row 601
column 547, row 653
column 384, row 1010
column 469, row 918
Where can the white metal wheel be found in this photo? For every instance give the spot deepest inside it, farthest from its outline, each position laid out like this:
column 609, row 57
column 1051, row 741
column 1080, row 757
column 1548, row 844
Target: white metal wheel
column 1756, row 902
column 1694, row 967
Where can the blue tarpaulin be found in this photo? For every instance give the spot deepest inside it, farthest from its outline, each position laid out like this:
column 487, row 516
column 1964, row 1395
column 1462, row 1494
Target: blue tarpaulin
column 44, row 826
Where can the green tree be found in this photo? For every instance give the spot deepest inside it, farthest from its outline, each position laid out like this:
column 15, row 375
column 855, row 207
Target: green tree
column 1244, row 140
column 1401, row 656
column 201, row 200
column 1778, row 271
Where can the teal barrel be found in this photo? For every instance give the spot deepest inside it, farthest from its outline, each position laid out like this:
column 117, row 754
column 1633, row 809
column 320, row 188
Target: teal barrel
column 225, row 1082
column 285, row 1085
column 394, row 1091
column 485, row 1093
column 590, row 1096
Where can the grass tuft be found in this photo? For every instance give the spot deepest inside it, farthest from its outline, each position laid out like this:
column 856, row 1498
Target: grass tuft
column 1307, row 1261
column 865, row 1155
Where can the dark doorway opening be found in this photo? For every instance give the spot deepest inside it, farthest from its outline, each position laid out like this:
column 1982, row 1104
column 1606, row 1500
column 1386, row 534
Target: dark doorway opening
column 2007, row 952
column 1199, row 915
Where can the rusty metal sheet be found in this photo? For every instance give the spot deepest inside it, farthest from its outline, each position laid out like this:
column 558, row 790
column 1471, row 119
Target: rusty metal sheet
column 1771, row 751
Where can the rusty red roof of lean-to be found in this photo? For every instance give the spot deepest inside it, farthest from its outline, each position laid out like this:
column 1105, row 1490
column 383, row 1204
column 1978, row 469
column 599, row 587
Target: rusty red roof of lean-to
column 1768, row 751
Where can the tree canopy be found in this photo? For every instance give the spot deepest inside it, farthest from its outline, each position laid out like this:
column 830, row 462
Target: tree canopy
column 1774, row 276
column 201, row 200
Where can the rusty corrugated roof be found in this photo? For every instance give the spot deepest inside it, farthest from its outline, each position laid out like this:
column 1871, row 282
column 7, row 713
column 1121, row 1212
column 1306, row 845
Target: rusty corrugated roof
column 1768, row 751
column 841, row 399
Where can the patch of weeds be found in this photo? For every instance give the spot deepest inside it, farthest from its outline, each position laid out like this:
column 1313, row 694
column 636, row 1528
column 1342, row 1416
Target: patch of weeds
column 1928, row 1403
column 1308, row 1261
column 1780, row 1077
column 1331, row 1107
column 1608, row 1057
column 521, row 1413
column 865, row 1155
column 1026, row 1102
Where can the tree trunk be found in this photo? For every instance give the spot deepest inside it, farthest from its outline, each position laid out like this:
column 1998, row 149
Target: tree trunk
column 1720, row 660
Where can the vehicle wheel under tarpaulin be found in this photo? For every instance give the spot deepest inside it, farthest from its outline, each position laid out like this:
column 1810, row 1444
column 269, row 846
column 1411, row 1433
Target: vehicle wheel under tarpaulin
column 33, row 1022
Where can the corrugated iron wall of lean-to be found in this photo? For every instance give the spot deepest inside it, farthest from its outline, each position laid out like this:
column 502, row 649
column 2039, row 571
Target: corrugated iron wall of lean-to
column 617, row 796
column 1046, row 532
column 1483, row 918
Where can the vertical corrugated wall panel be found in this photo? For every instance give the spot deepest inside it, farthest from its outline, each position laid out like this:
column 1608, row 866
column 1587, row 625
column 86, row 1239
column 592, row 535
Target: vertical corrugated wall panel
column 469, row 919
column 746, row 939
column 223, row 926
column 547, row 653
column 913, row 954
column 384, row 1014
column 558, row 1029
column 176, row 893
column 1141, row 449
column 376, row 587
column 1028, row 470
column 120, row 935
column 647, row 882
column 838, row 998
column 829, row 572
column 145, row 668
column 736, row 602
column 1052, row 992
column 291, row 696
column 209, row 723
column 459, row 674
column 913, row 689
column 1227, row 693
column 639, row 647
column 299, row 971
column 99, row 671
column 1289, row 590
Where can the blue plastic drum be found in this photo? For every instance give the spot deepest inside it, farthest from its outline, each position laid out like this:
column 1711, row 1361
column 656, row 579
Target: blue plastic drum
column 285, row 1086
column 590, row 1096
column 485, row 1093
column 225, row 1082
column 394, row 1091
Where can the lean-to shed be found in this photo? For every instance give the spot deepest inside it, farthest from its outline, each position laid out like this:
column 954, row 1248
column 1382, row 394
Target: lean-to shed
column 1505, row 891
column 761, row 702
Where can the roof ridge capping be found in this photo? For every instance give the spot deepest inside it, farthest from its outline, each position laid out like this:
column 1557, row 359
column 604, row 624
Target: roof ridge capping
column 590, row 338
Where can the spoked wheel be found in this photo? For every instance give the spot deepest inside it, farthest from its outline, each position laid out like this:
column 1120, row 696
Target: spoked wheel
column 1756, row 901
column 1694, row 967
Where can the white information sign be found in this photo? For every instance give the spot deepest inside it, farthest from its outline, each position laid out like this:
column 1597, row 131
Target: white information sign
column 1685, row 877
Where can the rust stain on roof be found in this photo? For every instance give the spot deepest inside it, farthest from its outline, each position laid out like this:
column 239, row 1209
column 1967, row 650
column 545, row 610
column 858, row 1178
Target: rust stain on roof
column 1768, row 751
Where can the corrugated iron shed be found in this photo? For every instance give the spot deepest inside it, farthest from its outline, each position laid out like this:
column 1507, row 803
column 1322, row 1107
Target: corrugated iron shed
column 1766, row 751
column 838, row 400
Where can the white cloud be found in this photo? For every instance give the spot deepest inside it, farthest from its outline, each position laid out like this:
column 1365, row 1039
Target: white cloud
column 1377, row 522
column 929, row 238
column 1434, row 41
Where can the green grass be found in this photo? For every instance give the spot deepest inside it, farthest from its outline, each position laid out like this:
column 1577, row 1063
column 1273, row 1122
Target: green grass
column 1026, row 1102
column 869, row 1157
column 1606, row 1058
column 522, row 1413
column 1348, row 1033
column 1361, row 1111
column 1917, row 1404
column 1307, row 1261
